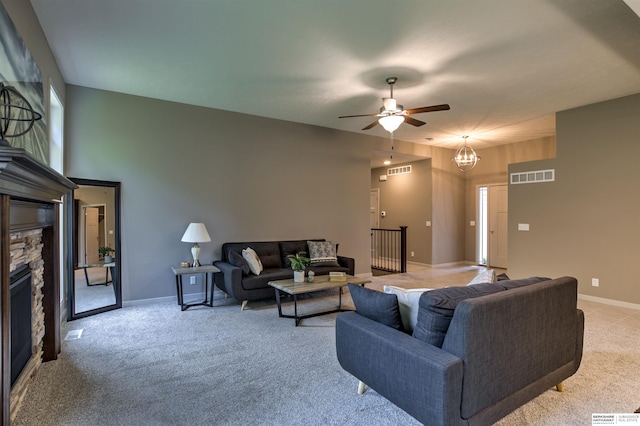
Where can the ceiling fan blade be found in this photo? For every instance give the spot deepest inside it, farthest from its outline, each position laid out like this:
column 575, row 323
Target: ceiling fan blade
column 371, row 125
column 413, row 121
column 443, row 107
column 359, row 115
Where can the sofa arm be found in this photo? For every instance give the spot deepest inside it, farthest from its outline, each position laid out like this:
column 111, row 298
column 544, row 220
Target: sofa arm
column 232, row 277
column 423, row 380
column 347, row 262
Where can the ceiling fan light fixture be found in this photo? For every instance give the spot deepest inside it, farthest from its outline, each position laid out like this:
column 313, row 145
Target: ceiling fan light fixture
column 465, row 157
column 391, row 122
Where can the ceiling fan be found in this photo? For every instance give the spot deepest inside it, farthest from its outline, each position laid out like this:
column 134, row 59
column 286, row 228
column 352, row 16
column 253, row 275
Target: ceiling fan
column 392, row 115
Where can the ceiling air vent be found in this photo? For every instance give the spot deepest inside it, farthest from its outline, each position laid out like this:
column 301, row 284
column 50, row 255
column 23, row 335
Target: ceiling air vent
column 535, row 176
column 403, row 170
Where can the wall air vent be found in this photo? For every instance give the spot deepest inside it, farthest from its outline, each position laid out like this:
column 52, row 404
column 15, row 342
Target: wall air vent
column 403, row 170
column 535, row 176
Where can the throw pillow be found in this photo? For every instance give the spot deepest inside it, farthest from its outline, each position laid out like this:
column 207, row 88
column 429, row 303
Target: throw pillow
column 377, row 306
column 253, row 260
column 484, row 276
column 323, row 253
column 236, row 259
column 437, row 308
column 408, row 303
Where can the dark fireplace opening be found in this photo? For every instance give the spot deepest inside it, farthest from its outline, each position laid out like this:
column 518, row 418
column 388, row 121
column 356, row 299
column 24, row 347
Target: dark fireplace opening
column 21, row 305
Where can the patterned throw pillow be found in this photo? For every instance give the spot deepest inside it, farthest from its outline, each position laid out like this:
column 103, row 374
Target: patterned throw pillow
column 322, row 253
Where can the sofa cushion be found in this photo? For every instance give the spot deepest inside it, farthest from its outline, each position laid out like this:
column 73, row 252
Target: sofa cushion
column 269, row 253
column 377, row 306
column 408, row 303
column 255, row 282
column 323, row 253
column 324, row 270
column 236, row 259
column 509, row 284
column 437, row 307
column 291, row 248
column 253, row 260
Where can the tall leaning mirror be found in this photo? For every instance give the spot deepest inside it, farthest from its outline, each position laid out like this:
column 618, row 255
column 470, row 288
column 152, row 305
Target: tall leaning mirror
column 93, row 236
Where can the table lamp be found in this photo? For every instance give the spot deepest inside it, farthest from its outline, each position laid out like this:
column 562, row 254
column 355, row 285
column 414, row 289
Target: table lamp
column 196, row 233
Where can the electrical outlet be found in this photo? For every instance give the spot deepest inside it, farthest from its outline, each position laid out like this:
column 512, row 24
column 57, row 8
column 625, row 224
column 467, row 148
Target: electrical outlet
column 413, row 254
column 595, row 282
column 192, row 280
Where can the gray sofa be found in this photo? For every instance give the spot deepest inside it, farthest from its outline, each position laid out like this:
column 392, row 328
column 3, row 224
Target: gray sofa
column 273, row 255
column 505, row 344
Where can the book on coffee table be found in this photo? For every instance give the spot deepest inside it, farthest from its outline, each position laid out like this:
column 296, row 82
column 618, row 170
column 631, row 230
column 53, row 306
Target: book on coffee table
column 337, row 276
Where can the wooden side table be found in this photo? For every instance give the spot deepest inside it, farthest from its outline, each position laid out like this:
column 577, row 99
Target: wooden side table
column 208, row 294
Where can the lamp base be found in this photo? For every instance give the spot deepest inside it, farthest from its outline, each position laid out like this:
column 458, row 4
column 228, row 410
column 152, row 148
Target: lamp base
column 195, row 252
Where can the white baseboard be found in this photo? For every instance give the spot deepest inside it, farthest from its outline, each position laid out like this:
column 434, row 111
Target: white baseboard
column 451, row 264
column 609, row 301
column 174, row 299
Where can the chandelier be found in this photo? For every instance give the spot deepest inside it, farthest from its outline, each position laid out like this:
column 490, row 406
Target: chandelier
column 466, row 158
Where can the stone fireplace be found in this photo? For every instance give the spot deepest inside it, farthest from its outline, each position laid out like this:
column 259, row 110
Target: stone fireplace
column 26, row 250
column 30, row 193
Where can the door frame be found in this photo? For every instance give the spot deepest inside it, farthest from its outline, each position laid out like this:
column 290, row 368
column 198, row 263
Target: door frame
column 83, row 226
column 478, row 227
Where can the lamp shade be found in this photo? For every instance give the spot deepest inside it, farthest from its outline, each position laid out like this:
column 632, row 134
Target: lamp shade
column 196, row 233
column 391, row 122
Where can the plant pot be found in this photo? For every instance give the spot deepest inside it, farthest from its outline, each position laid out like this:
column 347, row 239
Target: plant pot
column 298, row 276
column 108, row 259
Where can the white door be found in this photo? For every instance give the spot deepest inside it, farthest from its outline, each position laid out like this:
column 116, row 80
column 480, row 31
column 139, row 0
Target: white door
column 374, row 219
column 92, row 238
column 375, row 206
column 498, row 225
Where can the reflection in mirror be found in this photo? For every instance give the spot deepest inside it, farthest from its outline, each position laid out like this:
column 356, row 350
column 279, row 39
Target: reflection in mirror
column 94, row 245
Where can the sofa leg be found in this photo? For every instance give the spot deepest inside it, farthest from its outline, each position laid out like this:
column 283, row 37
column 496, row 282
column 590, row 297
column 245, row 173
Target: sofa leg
column 244, row 305
column 361, row 387
column 560, row 387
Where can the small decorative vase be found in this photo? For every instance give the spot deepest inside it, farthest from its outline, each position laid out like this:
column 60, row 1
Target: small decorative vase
column 298, row 276
column 310, row 276
column 108, row 259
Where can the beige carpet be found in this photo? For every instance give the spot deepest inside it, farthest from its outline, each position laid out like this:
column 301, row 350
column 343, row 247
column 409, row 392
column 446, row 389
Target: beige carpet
column 155, row 365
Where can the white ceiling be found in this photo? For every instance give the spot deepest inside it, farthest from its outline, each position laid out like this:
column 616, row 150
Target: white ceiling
column 504, row 66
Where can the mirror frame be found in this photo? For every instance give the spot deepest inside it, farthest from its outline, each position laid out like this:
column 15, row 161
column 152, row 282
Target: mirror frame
column 116, row 280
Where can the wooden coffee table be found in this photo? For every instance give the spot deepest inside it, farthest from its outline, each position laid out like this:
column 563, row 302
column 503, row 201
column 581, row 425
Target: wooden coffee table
column 320, row 283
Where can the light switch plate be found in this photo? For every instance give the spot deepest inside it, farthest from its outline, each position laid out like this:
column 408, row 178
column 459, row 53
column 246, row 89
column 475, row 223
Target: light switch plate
column 523, row 227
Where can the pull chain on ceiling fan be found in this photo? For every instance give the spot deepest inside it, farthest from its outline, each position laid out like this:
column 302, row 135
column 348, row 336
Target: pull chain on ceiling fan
column 392, row 115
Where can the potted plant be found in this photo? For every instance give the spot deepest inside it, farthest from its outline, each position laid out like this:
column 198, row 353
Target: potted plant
column 106, row 252
column 299, row 262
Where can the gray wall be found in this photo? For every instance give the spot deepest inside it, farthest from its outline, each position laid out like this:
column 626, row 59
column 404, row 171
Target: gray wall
column 247, row 178
column 406, row 199
column 585, row 224
column 448, row 216
column 492, row 169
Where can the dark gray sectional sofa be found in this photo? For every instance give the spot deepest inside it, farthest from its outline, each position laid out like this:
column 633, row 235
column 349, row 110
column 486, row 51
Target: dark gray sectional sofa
column 273, row 255
column 476, row 354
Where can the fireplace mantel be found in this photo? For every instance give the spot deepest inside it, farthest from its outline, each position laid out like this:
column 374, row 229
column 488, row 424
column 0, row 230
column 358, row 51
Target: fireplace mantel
column 29, row 191
column 23, row 176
